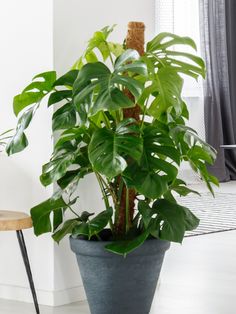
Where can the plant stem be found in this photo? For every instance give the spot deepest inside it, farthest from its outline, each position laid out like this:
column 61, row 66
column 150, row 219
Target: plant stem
column 113, row 195
column 144, row 113
column 110, row 55
column 70, row 208
column 127, row 211
column 105, row 198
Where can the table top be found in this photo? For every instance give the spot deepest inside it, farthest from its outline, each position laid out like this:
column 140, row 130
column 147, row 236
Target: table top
column 228, row 146
column 12, row 220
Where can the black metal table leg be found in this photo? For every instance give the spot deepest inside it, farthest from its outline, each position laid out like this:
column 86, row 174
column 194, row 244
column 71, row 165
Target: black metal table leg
column 27, row 267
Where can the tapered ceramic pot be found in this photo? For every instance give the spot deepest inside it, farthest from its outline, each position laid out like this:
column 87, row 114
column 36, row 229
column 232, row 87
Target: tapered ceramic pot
column 118, row 285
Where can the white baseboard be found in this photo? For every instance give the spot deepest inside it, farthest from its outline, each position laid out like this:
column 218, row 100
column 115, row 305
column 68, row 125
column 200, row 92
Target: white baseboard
column 68, row 296
column 50, row 298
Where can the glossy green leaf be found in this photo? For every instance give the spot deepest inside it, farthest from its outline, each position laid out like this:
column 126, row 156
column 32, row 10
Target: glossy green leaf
column 67, row 79
column 150, row 184
column 94, row 135
column 57, row 218
column 176, row 220
column 173, row 217
column 165, row 40
column 108, row 149
column 180, row 187
column 85, row 216
column 168, row 86
column 19, row 141
column 35, row 91
column 64, row 118
column 154, row 151
column 191, row 221
column 24, row 100
column 127, row 246
column 41, row 214
column 59, row 96
column 56, row 169
column 48, row 77
column 99, row 222
column 146, row 212
column 128, row 55
column 66, row 229
column 199, row 153
column 81, row 230
column 116, row 49
column 105, row 86
column 146, row 182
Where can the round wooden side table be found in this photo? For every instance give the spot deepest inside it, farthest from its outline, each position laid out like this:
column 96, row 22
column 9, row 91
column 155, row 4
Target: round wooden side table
column 17, row 221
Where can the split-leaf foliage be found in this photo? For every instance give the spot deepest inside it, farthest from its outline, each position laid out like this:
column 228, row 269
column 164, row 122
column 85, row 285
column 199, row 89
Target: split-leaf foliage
column 93, row 136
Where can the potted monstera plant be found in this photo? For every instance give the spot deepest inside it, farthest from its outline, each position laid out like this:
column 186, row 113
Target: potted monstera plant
column 119, row 115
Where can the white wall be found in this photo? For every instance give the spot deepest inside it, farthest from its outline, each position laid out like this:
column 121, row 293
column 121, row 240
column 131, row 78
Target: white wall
column 26, row 49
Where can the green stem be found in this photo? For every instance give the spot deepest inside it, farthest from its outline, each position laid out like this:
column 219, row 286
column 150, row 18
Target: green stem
column 108, row 188
column 110, row 55
column 73, row 211
column 158, row 59
column 94, row 124
column 127, row 210
column 105, row 198
column 144, row 113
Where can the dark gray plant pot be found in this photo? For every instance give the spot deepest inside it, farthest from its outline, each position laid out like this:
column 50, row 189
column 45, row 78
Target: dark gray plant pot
column 118, row 285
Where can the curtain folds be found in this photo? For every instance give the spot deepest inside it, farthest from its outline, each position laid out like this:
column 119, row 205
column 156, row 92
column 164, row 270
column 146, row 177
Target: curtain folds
column 218, row 40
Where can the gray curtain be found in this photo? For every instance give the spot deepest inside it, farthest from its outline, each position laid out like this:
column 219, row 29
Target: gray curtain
column 218, row 40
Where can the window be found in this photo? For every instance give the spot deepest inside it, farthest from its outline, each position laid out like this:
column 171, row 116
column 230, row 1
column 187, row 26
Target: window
column 182, row 18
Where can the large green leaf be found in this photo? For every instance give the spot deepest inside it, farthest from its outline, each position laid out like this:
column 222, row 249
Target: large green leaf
column 167, row 85
column 197, row 152
column 191, row 221
column 108, row 149
column 64, row 117
column 172, row 215
column 59, row 96
column 67, row 228
column 35, row 91
column 165, row 62
column 67, row 79
column 176, row 219
column 92, row 227
column 157, row 146
column 25, row 99
column 57, row 218
column 41, row 214
column 150, row 184
column 180, row 187
column 161, row 52
column 146, row 182
column 81, row 229
column 70, row 135
column 19, row 141
column 56, row 168
column 146, row 212
column 99, row 222
column 127, row 246
column 165, row 40
column 106, row 86
column 99, row 43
